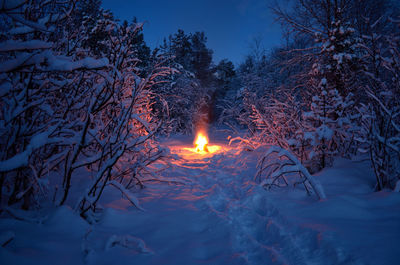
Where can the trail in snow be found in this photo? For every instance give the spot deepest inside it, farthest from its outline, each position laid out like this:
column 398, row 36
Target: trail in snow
column 215, row 214
column 220, row 216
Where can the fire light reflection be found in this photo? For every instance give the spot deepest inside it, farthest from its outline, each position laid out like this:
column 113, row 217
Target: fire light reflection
column 201, row 148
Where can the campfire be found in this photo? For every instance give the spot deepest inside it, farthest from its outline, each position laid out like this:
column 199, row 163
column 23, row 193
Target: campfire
column 201, row 147
column 201, row 143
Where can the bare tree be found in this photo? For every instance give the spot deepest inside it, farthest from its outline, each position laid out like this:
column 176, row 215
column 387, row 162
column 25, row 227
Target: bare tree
column 67, row 107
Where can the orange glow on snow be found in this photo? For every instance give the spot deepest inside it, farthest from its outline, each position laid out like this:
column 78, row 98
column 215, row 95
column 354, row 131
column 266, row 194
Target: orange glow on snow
column 201, row 148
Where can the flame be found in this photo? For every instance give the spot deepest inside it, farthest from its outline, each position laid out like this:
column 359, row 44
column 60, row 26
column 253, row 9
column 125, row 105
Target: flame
column 201, row 143
column 201, row 148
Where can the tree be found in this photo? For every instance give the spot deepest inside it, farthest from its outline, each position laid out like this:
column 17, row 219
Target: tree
column 181, row 48
column 187, row 99
column 201, row 57
column 311, row 110
column 225, row 77
column 139, row 46
column 69, row 106
column 381, row 114
column 328, row 80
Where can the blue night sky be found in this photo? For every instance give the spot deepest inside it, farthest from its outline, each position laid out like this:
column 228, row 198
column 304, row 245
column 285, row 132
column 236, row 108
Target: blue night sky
column 230, row 25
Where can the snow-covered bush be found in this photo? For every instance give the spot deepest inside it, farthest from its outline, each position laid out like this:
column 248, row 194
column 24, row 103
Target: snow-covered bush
column 339, row 59
column 120, row 145
column 331, row 115
column 69, row 104
column 331, row 124
column 278, row 167
column 276, row 121
column 381, row 114
column 314, row 136
column 33, row 74
column 314, row 115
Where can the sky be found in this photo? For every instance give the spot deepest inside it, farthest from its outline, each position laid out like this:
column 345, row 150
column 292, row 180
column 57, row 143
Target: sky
column 230, row 25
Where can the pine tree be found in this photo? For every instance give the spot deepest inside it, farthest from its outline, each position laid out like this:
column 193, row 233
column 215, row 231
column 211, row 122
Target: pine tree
column 139, row 46
column 339, row 58
column 201, row 57
column 181, row 49
column 330, row 124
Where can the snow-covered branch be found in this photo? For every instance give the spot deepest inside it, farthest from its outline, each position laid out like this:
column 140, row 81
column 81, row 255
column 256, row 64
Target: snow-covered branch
column 283, row 168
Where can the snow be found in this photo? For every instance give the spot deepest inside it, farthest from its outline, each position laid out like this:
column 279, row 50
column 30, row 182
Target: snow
column 324, row 132
column 11, row 4
column 61, row 64
column 288, row 164
column 218, row 214
column 397, row 187
column 51, row 62
column 358, row 221
column 128, row 241
column 12, row 45
column 12, row 64
column 22, row 158
column 6, row 237
column 129, row 195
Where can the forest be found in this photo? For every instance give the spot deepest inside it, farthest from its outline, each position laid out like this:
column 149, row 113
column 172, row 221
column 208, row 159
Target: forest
column 89, row 113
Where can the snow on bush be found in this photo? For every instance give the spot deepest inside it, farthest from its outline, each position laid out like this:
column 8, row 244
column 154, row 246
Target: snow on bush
column 314, row 115
column 128, row 241
column 73, row 97
column 277, row 167
column 381, row 114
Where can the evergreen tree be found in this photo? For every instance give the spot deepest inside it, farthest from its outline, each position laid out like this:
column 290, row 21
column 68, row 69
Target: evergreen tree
column 201, row 57
column 339, row 57
column 181, row 49
column 224, row 75
column 139, row 46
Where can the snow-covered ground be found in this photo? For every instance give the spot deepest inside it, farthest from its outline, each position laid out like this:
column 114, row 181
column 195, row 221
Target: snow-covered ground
column 213, row 213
